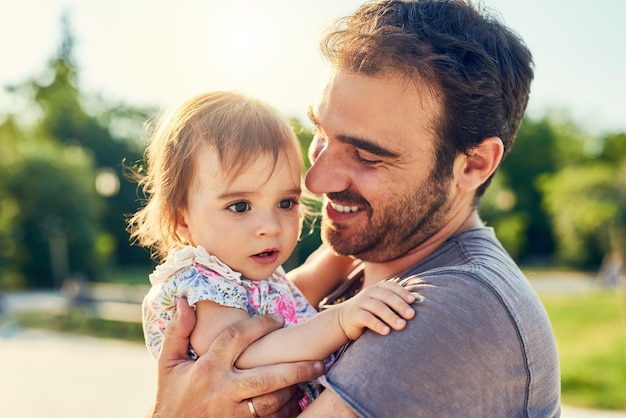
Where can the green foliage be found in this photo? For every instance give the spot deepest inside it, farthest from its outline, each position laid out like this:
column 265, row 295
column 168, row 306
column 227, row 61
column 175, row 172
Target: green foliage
column 533, row 154
column 305, row 136
column 496, row 208
column 591, row 339
column 584, row 202
column 614, row 148
column 50, row 214
column 559, row 194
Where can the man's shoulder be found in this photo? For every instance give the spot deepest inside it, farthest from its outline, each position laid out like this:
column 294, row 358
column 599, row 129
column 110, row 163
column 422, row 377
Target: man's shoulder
column 464, row 254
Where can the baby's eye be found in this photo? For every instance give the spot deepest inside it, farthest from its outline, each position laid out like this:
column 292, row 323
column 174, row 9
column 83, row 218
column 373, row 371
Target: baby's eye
column 287, row 203
column 239, row 207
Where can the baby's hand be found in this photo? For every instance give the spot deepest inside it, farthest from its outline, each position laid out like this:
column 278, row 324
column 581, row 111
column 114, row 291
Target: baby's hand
column 380, row 308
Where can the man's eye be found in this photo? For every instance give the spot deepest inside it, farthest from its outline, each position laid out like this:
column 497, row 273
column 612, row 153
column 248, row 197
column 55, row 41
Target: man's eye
column 239, row 207
column 287, row 204
column 366, row 158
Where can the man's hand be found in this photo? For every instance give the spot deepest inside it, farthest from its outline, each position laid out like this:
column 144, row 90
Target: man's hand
column 212, row 386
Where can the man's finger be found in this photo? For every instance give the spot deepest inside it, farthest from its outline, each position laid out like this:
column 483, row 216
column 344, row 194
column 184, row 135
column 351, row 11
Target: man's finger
column 176, row 339
column 268, row 379
column 267, row 404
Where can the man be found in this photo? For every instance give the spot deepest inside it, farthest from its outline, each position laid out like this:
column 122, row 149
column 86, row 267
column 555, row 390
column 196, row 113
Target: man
column 423, row 101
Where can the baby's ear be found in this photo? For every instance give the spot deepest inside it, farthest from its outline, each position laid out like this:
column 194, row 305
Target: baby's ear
column 480, row 163
column 182, row 229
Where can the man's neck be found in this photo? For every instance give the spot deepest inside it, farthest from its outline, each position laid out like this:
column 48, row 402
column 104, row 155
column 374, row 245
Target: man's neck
column 377, row 272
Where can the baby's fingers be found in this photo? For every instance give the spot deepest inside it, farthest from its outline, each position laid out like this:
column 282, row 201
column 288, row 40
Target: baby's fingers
column 378, row 316
column 395, row 297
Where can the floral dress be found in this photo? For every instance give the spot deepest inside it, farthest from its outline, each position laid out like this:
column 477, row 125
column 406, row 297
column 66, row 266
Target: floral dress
column 193, row 273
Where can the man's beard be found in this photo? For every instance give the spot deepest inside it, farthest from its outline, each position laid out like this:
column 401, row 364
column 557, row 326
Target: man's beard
column 394, row 228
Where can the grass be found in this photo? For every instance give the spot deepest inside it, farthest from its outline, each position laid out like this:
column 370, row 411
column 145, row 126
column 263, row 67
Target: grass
column 130, row 275
column 590, row 330
column 82, row 324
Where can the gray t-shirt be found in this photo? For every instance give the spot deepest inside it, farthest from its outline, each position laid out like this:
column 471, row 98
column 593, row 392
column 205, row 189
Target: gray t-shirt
column 481, row 344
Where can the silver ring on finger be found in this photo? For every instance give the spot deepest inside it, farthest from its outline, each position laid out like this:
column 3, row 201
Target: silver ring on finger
column 252, row 409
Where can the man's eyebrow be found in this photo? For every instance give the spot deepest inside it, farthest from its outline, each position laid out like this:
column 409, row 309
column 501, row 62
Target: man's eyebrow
column 360, row 143
column 367, row 146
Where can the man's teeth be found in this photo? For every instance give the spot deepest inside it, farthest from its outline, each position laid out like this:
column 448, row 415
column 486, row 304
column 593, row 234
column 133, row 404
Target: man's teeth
column 344, row 209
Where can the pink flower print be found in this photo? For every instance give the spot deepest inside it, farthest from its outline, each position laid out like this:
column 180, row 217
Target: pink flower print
column 286, row 307
column 254, row 297
column 206, row 272
column 304, row 402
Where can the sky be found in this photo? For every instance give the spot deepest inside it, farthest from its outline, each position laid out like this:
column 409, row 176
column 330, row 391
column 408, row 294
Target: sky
column 159, row 52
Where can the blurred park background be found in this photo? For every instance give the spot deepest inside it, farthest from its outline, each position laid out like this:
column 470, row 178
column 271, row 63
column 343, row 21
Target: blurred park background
column 558, row 204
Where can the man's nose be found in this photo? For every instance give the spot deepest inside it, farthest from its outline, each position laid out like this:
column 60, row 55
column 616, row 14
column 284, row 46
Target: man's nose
column 327, row 173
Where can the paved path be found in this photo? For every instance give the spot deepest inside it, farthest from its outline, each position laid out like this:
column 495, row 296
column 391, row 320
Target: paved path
column 55, row 375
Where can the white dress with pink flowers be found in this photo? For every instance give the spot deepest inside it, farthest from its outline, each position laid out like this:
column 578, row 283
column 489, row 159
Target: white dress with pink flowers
column 193, row 273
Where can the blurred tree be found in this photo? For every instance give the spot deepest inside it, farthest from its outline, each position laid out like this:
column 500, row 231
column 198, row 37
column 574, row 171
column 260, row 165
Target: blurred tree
column 11, row 276
column 55, row 231
column 65, row 118
column 613, row 148
column 496, row 209
column 56, row 120
column 587, row 203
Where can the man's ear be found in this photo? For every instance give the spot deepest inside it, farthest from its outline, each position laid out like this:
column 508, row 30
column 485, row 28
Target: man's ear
column 474, row 168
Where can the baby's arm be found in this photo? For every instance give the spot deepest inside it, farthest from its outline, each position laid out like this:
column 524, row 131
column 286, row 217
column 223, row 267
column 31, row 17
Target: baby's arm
column 211, row 319
column 379, row 308
column 321, row 273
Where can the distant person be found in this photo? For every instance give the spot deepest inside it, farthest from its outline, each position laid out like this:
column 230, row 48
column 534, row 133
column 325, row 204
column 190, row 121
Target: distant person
column 423, row 101
column 224, row 184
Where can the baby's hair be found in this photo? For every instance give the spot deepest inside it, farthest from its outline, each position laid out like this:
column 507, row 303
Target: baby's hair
column 237, row 127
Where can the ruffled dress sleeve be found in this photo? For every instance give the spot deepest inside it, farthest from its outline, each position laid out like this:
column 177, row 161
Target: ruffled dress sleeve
column 190, row 273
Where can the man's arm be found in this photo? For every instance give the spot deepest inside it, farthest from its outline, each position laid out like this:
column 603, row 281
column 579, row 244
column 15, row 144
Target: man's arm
column 322, row 272
column 212, row 386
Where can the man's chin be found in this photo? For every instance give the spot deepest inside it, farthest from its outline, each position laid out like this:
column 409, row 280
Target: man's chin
column 340, row 243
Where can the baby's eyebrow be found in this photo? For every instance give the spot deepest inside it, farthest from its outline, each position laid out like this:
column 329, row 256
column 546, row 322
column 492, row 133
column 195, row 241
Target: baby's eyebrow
column 246, row 194
column 295, row 190
column 230, row 194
